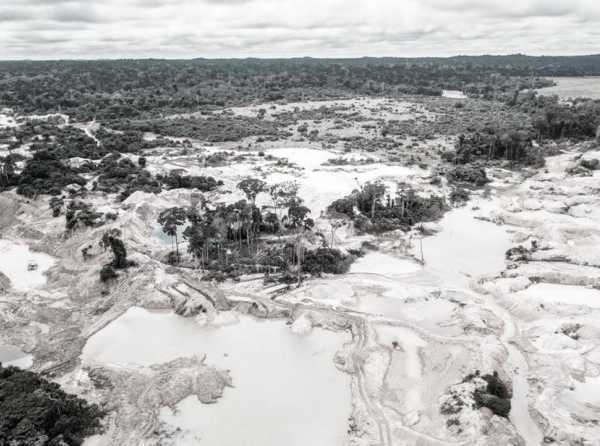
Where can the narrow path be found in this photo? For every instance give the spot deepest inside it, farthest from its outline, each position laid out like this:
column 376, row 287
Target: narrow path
column 374, row 408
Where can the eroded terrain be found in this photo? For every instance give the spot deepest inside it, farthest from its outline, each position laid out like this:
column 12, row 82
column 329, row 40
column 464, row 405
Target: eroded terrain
column 391, row 352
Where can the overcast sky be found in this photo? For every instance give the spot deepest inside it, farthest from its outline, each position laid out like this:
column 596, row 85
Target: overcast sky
column 51, row 29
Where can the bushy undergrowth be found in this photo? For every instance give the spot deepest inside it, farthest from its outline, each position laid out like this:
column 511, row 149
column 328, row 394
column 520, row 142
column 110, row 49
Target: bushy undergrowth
column 495, row 396
column 470, row 174
column 326, row 260
column 34, row 411
column 371, row 213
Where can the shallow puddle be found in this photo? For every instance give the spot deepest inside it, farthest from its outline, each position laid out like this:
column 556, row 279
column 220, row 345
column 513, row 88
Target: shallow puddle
column 12, row 356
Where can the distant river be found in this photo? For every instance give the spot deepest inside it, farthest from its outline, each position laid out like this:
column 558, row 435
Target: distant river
column 574, row 87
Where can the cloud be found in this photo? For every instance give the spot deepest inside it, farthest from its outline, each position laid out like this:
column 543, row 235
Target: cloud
column 280, row 28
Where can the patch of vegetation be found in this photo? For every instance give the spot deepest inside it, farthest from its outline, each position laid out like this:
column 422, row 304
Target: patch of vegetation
column 326, row 260
column 177, row 181
column 46, row 174
column 512, row 146
column 111, row 239
column 212, row 128
column 459, row 196
column 470, row 174
column 495, row 395
column 80, row 214
column 34, row 411
column 120, row 174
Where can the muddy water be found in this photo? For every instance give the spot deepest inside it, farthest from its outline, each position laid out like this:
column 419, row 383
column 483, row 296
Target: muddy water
column 287, row 389
column 166, row 240
column 466, row 246
column 15, row 260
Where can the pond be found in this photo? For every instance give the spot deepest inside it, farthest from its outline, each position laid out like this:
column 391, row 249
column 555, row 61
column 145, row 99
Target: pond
column 465, row 247
column 453, row 94
column 24, row 268
column 287, row 389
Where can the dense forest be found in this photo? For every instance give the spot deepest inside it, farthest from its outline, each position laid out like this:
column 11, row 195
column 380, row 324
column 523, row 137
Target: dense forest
column 113, row 89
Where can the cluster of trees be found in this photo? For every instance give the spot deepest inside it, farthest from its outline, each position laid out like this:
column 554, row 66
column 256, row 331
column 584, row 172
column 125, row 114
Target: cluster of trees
column 553, row 119
column 212, row 128
column 229, row 237
column 373, row 210
column 67, row 141
column 110, row 90
column 175, row 180
column 578, row 120
column 125, row 141
column 514, row 146
column 34, row 411
column 44, row 173
column 119, row 174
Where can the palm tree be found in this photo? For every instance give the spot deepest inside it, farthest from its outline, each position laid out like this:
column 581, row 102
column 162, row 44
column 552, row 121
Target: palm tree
column 170, row 219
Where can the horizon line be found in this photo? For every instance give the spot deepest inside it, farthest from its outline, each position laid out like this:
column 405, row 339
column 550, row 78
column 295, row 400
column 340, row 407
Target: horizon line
column 100, row 59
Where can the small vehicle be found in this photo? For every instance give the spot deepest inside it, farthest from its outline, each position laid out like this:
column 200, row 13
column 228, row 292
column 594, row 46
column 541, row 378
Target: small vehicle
column 32, row 266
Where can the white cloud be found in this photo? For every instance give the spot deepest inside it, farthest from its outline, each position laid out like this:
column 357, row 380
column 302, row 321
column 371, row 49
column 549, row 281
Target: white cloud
column 274, row 28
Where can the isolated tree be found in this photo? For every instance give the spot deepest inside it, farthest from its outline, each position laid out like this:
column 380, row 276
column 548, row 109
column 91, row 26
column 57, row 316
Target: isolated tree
column 56, row 205
column 170, row 219
column 297, row 215
column 119, row 253
column 111, row 239
column 8, row 177
column 284, row 194
column 252, row 187
column 195, row 234
column 337, row 220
